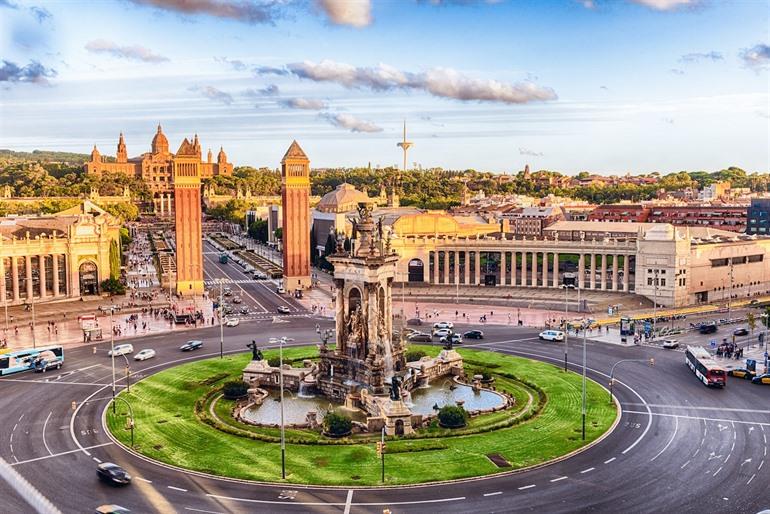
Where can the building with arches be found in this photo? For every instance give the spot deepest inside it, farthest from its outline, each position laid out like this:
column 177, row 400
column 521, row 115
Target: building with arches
column 56, row 256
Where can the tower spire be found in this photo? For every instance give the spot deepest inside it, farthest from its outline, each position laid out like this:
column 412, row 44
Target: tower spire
column 404, row 145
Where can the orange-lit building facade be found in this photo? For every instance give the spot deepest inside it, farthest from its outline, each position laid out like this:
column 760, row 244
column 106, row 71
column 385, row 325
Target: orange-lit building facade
column 156, row 167
column 295, row 200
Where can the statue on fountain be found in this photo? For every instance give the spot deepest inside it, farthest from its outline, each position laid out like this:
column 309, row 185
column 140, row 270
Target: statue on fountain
column 256, row 353
column 448, row 342
column 395, row 388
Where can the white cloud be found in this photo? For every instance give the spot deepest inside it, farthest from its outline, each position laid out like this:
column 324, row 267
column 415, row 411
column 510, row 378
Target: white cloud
column 350, row 122
column 355, row 13
column 440, row 82
column 531, row 153
column 243, row 11
column 757, row 57
column 233, row 63
column 666, row 5
column 311, row 104
column 213, row 93
column 134, row 52
column 701, row 56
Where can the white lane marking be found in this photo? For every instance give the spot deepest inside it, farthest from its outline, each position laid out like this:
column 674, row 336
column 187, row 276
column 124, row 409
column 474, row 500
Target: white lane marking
column 62, row 453
column 177, row 489
column 685, row 465
column 676, row 429
column 243, row 291
column 97, row 460
column 493, row 494
column 557, row 479
column 11, row 440
column 144, row 480
column 750, row 479
column 698, row 417
column 337, row 504
column 609, row 460
column 57, row 384
column 45, row 424
column 15, row 426
column 20, row 417
column 760, row 465
column 691, row 407
column 348, row 501
column 587, row 470
column 717, row 471
column 191, row 509
column 530, row 486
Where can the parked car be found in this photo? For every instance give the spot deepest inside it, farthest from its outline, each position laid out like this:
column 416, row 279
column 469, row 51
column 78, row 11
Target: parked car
column 414, row 321
column 708, row 328
column 283, row 309
column 442, row 332
column 741, row 373
column 237, row 299
column 191, row 345
column 670, row 344
column 244, row 310
column 113, row 474
column 420, row 337
column 761, row 379
column 551, row 335
column 456, row 339
column 443, row 324
column 741, row 331
column 121, row 349
column 143, row 355
column 474, row 334
column 258, row 275
column 228, row 292
column 108, row 308
column 232, row 322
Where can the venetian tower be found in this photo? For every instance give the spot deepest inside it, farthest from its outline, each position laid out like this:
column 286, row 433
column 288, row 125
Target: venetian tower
column 187, row 203
column 295, row 192
column 366, row 355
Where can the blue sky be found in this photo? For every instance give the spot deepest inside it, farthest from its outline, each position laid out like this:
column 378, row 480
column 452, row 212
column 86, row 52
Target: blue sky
column 609, row 86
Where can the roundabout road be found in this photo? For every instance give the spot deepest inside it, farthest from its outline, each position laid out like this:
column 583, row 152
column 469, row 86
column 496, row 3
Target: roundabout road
column 678, row 445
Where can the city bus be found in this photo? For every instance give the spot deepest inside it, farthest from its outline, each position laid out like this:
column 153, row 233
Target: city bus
column 699, row 360
column 38, row 359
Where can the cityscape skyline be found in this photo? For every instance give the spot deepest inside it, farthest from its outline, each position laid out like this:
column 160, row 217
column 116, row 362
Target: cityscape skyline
column 567, row 90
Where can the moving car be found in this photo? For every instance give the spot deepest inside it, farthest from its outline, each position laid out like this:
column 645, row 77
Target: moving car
column 551, row 335
column 232, row 322
column 420, row 337
column 280, row 290
column 414, row 321
column 761, row 379
column 112, row 474
column 670, row 344
column 46, row 360
column 112, row 509
column 708, row 328
column 441, row 332
column 143, row 355
column 474, row 334
column 456, row 339
column 741, row 373
column 121, row 349
column 237, row 299
column 283, row 309
column 741, row 331
column 228, row 292
column 191, row 345
column 244, row 310
column 443, row 324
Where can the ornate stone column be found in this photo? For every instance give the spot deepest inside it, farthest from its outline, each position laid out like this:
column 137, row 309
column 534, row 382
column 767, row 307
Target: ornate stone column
column 555, row 269
column 30, row 289
column 545, row 269
column 502, row 268
column 15, row 278
column 3, row 292
column 615, row 272
column 41, row 271
column 478, row 268
column 446, row 267
column 626, row 272
column 533, row 270
column 55, row 268
column 604, row 272
column 162, row 205
column 593, row 271
column 467, row 277
column 581, row 271
column 435, row 267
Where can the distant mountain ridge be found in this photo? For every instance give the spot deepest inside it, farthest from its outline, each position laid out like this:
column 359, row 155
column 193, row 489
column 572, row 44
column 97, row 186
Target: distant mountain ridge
column 44, row 156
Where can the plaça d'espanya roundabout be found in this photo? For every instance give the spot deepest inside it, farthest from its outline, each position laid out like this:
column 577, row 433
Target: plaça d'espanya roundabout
column 444, row 414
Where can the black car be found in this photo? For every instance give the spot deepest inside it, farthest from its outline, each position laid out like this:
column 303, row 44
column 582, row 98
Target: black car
column 191, row 345
column 420, row 337
column 113, row 474
column 474, row 334
column 708, row 328
column 741, row 332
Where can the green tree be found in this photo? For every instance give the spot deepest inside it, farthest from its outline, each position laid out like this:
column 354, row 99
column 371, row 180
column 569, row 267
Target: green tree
column 452, row 416
column 258, row 230
column 113, row 286
column 337, row 424
column 114, row 259
column 125, row 211
column 278, row 233
column 751, row 321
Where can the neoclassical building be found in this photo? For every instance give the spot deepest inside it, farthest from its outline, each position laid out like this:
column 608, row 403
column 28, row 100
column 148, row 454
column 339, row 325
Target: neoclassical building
column 156, row 167
column 63, row 255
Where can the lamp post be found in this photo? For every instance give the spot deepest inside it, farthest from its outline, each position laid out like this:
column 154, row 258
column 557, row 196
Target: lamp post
column 221, row 327
column 612, row 370
column 654, row 302
column 283, row 435
column 112, row 357
column 34, row 338
column 566, row 323
column 584, row 381
column 130, row 416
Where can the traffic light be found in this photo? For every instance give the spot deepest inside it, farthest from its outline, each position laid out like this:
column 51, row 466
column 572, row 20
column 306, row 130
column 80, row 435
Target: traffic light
column 381, row 447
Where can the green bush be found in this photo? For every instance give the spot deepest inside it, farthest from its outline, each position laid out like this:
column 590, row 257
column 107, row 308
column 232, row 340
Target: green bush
column 414, row 355
column 337, row 424
column 274, row 362
column 452, row 416
column 235, row 389
column 113, row 286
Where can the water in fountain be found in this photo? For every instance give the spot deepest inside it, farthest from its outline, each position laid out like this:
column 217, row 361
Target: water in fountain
column 388, row 359
column 304, row 391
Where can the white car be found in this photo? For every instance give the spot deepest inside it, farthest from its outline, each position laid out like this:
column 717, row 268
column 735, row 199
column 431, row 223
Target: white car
column 145, row 354
column 670, row 344
column 232, row 322
column 443, row 324
column 121, row 349
column 442, row 332
column 280, row 290
column 551, row 335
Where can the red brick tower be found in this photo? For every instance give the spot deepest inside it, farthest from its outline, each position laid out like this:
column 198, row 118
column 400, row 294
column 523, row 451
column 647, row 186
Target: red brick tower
column 295, row 191
column 187, row 203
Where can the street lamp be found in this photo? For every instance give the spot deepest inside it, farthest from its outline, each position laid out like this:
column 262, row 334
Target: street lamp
column 283, row 434
column 112, row 356
column 612, row 370
column 130, row 416
column 221, row 327
column 584, row 380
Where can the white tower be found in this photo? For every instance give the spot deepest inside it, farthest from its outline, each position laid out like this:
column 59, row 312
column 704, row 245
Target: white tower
column 405, row 145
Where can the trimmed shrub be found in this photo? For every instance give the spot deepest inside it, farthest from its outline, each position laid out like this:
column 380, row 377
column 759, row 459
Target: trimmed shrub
column 452, row 416
column 235, row 389
column 336, row 424
column 414, row 355
column 274, row 362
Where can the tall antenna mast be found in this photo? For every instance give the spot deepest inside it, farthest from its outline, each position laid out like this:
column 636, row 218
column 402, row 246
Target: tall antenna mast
column 405, row 145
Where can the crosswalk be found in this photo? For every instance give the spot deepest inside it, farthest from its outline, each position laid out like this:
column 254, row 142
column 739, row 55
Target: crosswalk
column 217, row 281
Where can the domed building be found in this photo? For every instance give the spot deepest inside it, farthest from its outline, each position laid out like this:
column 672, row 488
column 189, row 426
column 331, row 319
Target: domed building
column 345, row 198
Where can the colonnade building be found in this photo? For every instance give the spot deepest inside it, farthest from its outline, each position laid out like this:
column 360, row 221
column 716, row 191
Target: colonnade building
column 63, row 255
column 674, row 266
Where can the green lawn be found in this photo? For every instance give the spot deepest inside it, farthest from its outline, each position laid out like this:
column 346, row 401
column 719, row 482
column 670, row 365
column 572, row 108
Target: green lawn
column 168, row 430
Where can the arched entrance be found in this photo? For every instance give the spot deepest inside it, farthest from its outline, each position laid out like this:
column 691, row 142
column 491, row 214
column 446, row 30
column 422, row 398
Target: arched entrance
column 89, row 279
column 399, row 427
column 416, row 271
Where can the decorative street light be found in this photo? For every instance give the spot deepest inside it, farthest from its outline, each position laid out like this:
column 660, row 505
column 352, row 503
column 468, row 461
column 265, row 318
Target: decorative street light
column 584, row 379
column 283, row 434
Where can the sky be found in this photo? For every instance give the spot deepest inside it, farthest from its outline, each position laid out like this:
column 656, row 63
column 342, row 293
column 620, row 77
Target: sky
column 606, row 86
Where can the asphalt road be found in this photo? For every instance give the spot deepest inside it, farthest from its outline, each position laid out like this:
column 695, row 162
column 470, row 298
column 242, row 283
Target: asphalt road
column 678, row 446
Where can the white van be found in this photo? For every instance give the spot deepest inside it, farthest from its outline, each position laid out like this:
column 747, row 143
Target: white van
column 121, row 349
